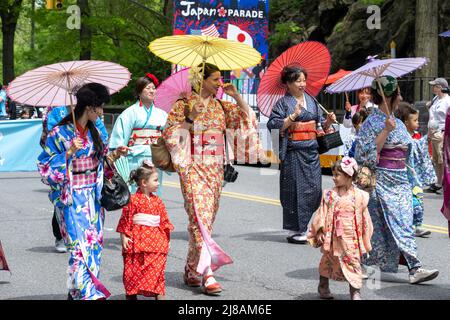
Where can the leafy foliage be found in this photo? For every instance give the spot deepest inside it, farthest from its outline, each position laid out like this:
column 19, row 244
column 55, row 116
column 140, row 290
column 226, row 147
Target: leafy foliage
column 121, row 33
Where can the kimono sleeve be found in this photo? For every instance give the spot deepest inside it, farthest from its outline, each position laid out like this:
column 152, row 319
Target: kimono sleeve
column 366, row 147
column 318, row 222
column 242, row 129
column 175, row 136
column 123, row 127
column 277, row 116
column 53, row 163
column 421, row 162
column 165, row 223
column 125, row 224
column 367, row 225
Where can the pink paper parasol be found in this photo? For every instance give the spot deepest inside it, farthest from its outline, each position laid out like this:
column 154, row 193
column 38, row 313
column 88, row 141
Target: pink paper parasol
column 176, row 87
column 53, row 85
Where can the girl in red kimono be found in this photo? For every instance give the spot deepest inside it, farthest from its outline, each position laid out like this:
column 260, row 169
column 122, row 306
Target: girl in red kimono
column 145, row 233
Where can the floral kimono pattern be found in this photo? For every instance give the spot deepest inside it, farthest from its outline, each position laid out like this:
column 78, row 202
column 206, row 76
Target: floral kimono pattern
column 391, row 203
column 145, row 261
column 198, row 157
column 76, row 198
column 347, row 226
column 138, row 117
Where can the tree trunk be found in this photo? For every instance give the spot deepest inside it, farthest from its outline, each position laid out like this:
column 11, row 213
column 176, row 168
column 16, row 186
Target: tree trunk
column 426, row 45
column 85, row 31
column 33, row 26
column 9, row 15
column 167, row 9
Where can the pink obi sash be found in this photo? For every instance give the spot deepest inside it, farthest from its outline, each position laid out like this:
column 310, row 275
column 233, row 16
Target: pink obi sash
column 141, row 136
column 144, row 219
column 84, row 171
column 207, row 144
column 392, row 158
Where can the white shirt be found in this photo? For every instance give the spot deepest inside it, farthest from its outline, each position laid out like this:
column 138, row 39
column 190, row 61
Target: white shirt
column 438, row 110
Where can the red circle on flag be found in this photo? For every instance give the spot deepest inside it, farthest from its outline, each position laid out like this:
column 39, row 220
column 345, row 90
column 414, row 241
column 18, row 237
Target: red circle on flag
column 241, row 37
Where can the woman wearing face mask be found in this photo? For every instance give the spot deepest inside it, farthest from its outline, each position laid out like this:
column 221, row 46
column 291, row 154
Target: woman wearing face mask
column 194, row 135
column 72, row 163
column 297, row 117
column 385, row 146
column 140, row 125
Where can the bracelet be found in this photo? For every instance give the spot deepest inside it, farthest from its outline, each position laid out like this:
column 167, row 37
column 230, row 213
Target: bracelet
column 293, row 120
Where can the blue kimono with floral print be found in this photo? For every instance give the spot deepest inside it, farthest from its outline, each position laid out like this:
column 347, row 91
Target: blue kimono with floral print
column 78, row 208
column 391, row 203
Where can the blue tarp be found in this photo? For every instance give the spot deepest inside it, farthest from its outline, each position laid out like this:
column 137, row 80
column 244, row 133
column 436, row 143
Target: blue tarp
column 19, row 144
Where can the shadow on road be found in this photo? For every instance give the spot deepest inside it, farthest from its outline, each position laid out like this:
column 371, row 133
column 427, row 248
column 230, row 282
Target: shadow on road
column 424, row 291
column 306, row 274
column 42, row 249
column 263, row 236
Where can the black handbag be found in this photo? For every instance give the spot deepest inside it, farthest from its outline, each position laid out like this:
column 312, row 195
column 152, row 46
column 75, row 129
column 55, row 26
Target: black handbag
column 115, row 192
column 329, row 141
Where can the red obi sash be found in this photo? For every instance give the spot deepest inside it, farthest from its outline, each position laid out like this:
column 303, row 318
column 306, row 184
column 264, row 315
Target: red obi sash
column 299, row 131
column 141, row 136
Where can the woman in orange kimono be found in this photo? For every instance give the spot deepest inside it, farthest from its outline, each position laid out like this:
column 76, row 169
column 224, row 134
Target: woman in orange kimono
column 342, row 227
column 145, row 234
column 194, row 135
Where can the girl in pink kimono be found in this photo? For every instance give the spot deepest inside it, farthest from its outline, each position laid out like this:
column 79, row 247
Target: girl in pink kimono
column 343, row 228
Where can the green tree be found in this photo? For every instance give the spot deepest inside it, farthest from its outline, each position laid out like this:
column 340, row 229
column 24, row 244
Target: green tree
column 9, row 14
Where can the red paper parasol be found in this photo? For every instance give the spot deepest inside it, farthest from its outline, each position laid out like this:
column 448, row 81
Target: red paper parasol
column 312, row 56
column 175, row 87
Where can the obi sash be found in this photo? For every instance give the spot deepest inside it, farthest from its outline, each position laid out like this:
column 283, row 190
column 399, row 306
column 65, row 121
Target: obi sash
column 142, row 136
column 207, row 144
column 144, row 219
column 392, row 158
column 299, row 131
column 84, row 171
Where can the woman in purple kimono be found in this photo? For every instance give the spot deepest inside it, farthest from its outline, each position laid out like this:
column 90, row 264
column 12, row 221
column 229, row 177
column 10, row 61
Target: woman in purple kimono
column 385, row 146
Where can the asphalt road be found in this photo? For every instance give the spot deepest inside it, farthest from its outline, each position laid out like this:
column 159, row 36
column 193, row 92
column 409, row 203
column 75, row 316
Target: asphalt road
column 248, row 227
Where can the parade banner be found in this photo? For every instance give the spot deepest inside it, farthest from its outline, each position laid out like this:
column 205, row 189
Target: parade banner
column 245, row 21
column 19, row 144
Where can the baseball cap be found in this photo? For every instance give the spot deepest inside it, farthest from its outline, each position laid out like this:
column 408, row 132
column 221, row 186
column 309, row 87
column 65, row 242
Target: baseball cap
column 439, row 82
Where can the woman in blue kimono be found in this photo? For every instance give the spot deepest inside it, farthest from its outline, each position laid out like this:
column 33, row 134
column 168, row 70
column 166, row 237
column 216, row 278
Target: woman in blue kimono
column 385, row 146
column 140, row 125
column 72, row 164
column 297, row 118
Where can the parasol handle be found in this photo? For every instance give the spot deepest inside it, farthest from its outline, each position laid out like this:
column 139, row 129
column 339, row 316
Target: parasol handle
column 71, row 105
column 346, row 97
column 202, row 74
column 384, row 98
column 323, row 108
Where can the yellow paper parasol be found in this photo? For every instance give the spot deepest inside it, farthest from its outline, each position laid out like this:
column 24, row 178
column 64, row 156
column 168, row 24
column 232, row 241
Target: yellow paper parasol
column 192, row 50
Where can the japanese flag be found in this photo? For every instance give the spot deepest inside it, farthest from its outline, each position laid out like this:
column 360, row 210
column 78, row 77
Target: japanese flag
column 237, row 34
